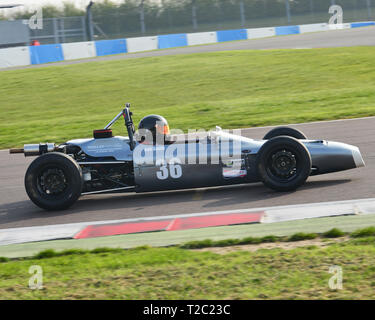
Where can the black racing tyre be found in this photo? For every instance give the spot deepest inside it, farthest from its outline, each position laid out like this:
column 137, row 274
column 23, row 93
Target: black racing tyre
column 283, row 164
column 285, row 131
column 54, row 181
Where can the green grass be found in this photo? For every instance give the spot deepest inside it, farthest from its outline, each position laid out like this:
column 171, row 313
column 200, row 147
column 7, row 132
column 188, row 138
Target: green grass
column 230, row 89
column 333, row 233
column 299, row 236
column 366, row 232
column 302, row 236
column 197, row 244
column 175, row 273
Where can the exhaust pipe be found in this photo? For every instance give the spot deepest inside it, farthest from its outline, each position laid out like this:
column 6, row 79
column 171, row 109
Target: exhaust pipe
column 16, row 150
column 30, row 150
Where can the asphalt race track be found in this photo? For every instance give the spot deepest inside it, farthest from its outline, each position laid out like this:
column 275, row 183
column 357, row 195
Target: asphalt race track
column 364, row 36
column 16, row 210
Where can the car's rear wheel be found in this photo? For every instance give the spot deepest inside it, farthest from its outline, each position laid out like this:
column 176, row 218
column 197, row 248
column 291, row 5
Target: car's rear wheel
column 54, row 181
column 283, row 163
column 285, row 131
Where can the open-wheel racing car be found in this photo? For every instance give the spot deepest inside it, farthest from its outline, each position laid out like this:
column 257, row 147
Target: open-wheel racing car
column 283, row 161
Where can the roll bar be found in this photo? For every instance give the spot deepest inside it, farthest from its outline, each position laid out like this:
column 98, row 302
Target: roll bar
column 128, row 124
column 109, row 125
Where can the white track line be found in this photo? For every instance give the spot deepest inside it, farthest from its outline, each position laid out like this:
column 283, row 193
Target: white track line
column 272, row 214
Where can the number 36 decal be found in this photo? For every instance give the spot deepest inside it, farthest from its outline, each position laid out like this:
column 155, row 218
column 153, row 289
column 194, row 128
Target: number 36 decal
column 173, row 170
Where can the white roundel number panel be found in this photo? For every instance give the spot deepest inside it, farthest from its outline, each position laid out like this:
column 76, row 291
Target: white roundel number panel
column 173, row 170
column 163, row 173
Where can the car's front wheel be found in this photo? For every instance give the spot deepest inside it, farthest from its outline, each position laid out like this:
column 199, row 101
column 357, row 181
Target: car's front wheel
column 283, row 163
column 54, row 181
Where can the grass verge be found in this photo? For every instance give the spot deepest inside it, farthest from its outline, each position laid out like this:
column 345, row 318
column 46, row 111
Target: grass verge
column 231, row 89
column 299, row 236
column 164, row 239
column 176, row 273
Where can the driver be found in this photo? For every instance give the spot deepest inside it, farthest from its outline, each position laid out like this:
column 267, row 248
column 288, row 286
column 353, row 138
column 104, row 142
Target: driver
column 153, row 129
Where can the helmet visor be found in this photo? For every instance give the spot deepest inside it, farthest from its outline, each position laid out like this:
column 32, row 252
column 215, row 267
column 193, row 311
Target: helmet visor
column 162, row 129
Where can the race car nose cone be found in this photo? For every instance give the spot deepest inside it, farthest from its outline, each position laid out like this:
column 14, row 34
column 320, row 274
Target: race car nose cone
column 359, row 162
